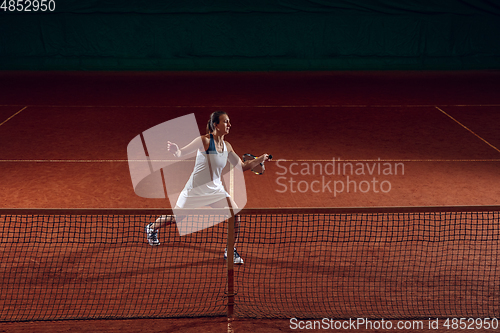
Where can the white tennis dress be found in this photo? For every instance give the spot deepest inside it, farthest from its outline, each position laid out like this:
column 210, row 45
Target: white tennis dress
column 204, row 187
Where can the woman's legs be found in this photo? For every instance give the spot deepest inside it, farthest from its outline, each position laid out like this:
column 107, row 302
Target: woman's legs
column 152, row 228
column 224, row 204
column 163, row 221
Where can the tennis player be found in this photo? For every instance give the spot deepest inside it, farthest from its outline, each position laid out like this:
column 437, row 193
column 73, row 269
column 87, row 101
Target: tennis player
column 201, row 191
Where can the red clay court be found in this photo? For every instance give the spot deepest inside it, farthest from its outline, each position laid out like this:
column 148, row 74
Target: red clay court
column 67, row 133
column 429, row 138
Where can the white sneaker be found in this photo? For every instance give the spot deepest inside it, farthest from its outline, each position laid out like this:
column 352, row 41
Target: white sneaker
column 236, row 257
column 152, row 235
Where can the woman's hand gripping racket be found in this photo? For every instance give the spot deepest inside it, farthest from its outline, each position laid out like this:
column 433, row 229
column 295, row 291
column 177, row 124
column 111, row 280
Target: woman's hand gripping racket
column 259, row 169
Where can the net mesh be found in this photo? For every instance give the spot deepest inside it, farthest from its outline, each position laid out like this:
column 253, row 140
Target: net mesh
column 309, row 263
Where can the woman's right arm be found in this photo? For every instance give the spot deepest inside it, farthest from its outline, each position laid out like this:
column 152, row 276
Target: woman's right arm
column 198, row 143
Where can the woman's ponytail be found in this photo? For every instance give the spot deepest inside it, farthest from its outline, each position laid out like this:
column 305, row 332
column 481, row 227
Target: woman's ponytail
column 214, row 120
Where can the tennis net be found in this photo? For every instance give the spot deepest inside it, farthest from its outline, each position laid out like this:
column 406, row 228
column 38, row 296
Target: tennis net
column 392, row 263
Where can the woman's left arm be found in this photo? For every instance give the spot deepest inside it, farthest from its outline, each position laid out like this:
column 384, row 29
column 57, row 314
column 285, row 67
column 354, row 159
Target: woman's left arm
column 234, row 159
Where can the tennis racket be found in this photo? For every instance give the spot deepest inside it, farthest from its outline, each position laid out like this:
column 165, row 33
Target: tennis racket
column 258, row 169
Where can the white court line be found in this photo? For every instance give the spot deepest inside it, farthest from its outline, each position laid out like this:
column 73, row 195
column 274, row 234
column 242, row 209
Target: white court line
column 15, row 114
column 468, row 129
column 258, row 106
column 391, row 160
column 273, row 161
column 282, row 160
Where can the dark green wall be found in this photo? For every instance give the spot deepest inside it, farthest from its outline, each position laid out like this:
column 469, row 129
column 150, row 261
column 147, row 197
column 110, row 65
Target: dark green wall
column 228, row 35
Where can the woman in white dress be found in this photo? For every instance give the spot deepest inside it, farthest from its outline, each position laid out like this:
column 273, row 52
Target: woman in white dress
column 204, row 187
